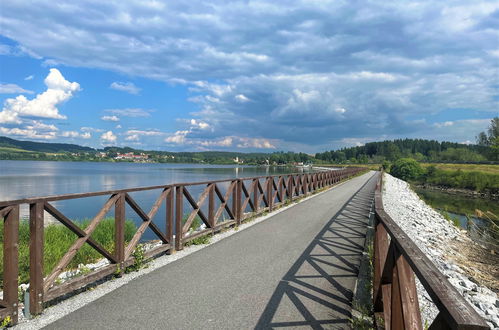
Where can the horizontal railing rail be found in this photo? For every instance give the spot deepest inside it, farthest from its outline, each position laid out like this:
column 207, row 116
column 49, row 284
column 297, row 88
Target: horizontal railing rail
column 222, row 203
column 396, row 259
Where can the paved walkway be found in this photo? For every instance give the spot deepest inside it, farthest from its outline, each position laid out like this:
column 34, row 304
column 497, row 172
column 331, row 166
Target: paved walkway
column 297, row 269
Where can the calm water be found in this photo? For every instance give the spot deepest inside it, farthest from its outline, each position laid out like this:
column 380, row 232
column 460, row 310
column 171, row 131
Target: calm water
column 21, row 179
column 463, row 208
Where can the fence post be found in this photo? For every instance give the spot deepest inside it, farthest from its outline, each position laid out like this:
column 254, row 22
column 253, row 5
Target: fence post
column 239, row 192
column 270, row 199
column 10, row 260
column 36, row 258
column 169, row 219
column 119, row 232
column 179, row 212
column 211, row 206
column 256, row 197
column 281, row 180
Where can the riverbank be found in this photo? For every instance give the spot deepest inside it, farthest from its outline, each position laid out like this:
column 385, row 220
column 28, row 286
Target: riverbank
column 451, row 250
column 460, row 191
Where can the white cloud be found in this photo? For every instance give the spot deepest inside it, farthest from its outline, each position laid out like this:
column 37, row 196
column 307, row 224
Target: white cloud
column 109, row 137
column 118, row 126
column 143, row 132
column 28, row 133
column 91, row 129
column 125, row 87
column 444, row 124
column 134, row 137
column 74, row 134
column 255, row 143
column 13, row 89
column 196, row 124
column 44, row 105
column 225, row 142
column 110, row 118
column 241, row 98
column 30, row 77
column 178, row 137
column 130, row 112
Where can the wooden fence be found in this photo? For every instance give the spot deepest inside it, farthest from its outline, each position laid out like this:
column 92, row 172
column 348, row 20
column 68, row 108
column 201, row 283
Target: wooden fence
column 243, row 198
column 396, row 260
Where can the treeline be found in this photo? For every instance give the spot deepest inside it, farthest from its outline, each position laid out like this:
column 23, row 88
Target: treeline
column 42, row 146
column 419, row 149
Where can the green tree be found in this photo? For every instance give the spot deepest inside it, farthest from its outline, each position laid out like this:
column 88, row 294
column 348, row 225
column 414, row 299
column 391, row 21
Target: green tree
column 406, row 169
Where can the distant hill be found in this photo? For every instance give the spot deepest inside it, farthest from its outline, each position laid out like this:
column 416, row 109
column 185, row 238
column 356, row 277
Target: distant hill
column 42, row 146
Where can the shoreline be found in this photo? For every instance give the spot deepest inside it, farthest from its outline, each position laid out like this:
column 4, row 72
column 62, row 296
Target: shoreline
column 459, row 191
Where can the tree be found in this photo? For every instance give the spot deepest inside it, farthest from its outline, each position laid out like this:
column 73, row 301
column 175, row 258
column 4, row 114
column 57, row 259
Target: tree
column 489, row 138
column 406, row 169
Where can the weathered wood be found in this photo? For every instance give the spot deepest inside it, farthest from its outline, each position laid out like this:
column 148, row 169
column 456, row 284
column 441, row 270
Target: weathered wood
column 119, row 231
column 408, row 295
column 397, row 313
column 238, row 201
column 439, row 323
column 179, row 212
column 256, row 198
column 270, row 198
column 196, row 208
column 454, row 309
column 211, row 206
column 147, row 221
column 223, row 200
column 247, row 193
column 36, row 258
column 386, row 292
column 10, row 260
column 169, row 215
column 77, row 230
column 69, row 255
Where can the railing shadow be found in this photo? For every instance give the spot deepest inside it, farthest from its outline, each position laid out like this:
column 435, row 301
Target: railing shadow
column 317, row 291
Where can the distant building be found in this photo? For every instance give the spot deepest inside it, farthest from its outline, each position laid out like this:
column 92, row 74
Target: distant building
column 131, row 156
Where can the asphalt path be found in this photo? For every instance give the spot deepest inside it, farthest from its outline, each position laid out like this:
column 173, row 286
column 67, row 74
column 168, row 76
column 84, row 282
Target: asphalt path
column 298, row 269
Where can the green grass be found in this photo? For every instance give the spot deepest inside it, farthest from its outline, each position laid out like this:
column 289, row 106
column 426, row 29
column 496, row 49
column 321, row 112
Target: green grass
column 58, row 239
column 492, row 169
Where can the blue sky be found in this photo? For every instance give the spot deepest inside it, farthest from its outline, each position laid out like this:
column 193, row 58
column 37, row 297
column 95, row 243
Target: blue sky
column 247, row 75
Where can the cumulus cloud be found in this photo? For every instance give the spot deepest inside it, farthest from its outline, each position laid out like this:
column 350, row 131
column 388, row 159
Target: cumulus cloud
column 110, row 118
column 44, row 105
column 133, row 137
column 13, row 89
column 293, row 72
column 127, row 87
column 108, row 137
column 75, row 134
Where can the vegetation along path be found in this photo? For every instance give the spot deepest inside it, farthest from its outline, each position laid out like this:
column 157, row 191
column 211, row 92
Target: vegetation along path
column 298, row 268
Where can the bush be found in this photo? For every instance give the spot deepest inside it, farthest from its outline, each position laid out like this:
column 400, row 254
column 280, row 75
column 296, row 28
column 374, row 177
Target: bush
column 406, row 169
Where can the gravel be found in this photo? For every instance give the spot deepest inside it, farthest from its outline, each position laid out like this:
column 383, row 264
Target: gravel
column 432, row 234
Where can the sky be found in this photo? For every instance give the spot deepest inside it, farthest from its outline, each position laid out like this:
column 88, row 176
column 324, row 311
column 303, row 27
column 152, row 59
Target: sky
column 247, row 75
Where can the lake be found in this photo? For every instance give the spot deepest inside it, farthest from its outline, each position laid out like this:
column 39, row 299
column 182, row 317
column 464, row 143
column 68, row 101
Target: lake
column 22, row 179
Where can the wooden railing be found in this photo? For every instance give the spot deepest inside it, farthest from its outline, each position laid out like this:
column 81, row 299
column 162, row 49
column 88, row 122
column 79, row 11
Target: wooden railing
column 396, row 260
column 242, row 198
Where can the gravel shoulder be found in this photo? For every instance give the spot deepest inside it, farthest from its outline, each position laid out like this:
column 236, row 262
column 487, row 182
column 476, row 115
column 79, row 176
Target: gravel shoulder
column 435, row 236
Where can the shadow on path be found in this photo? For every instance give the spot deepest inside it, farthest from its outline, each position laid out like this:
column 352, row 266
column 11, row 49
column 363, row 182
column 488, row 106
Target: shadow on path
column 317, row 291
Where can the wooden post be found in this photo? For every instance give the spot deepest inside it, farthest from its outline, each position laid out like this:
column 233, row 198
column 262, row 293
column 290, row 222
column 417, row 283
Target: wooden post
column 211, row 206
column 290, row 188
column 169, row 219
column 270, row 198
column 397, row 313
column 179, row 212
column 256, row 195
column 281, row 197
column 119, row 232
column 234, row 200
column 239, row 191
column 36, row 258
column 10, row 260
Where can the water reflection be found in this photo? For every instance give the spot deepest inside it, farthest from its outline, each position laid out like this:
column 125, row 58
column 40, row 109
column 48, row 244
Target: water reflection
column 23, row 179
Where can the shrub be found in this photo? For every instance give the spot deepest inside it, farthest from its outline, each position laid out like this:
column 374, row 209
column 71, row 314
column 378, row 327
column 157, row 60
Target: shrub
column 406, row 169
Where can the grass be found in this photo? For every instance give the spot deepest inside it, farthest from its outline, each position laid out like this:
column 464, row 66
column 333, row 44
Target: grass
column 8, row 149
column 492, row 169
column 58, row 239
column 482, row 181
